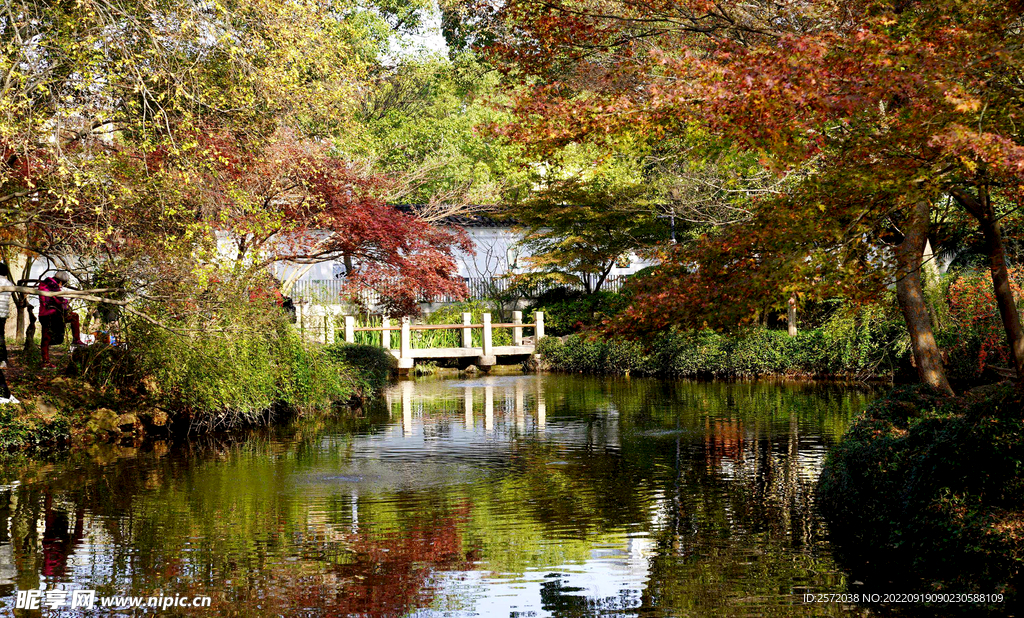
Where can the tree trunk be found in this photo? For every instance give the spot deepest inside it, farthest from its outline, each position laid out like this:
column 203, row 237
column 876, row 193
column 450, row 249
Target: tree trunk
column 601, row 278
column 21, row 302
column 791, row 316
column 910, row 294
column 19, row 324
column 1004, row 293
column 982, row 210
column 30, row 330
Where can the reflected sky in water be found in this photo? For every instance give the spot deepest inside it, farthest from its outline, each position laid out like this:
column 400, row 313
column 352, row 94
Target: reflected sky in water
column 514, row 495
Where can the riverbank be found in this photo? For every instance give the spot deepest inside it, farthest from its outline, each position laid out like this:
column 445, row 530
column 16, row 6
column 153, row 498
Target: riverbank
column 98, row 394
column 926, row 493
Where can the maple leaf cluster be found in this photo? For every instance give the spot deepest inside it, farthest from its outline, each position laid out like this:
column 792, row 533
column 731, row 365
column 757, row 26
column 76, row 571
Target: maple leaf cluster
column 297, row 202
column 876, row 112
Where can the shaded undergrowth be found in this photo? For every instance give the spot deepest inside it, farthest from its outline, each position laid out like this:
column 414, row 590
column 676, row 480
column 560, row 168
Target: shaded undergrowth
column 926, row 493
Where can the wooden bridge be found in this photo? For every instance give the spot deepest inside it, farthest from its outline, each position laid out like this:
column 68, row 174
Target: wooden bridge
column 484, row 356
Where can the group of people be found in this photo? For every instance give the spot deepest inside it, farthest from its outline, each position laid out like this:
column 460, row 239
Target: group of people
column 54, row 314
column 5, row 312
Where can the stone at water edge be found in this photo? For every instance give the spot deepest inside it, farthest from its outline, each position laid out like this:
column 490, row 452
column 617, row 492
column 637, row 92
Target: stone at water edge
column 127, row 422
column 156, row 416
column 103, row 420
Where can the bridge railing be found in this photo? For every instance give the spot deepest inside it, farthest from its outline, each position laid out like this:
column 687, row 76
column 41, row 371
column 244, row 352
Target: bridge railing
column 405, row 327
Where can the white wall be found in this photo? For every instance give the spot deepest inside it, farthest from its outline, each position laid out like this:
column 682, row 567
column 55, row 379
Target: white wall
column 494, row 249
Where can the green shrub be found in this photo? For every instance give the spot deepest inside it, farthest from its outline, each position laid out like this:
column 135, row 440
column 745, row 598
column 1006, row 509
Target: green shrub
column 870, row 341
column 372, row 365
column 104, row 365
column 577, row 354
column 16, row 431
column 932, row 489
column 567, row 312
column 626, row 357
column 761, row 352
column 845, row 346
column 235, row 367
column 550, row 348
column 695, row 353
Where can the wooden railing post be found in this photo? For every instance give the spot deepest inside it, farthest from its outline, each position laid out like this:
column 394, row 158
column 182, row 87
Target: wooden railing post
column 517, row 331
column 385, row 335
column 488, row 348
column 467, row 333
column 350, row 329
column 406, row 349
column 539, row 330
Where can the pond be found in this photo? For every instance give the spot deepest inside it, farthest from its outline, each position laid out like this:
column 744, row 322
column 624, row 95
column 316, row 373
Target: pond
column 517, row 495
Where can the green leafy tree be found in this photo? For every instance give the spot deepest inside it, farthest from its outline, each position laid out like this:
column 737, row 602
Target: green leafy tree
column 131, row 134
column 587, row 212
column 424, row 123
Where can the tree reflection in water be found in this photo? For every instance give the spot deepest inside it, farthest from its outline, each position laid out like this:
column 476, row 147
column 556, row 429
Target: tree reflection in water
column 561, row 496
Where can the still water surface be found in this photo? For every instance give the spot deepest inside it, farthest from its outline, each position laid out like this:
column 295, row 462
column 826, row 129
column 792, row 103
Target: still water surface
column 496, row 496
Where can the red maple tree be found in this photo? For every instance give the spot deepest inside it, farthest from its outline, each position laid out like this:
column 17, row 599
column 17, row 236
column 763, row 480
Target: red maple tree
column 884, row 106
column 294, row 201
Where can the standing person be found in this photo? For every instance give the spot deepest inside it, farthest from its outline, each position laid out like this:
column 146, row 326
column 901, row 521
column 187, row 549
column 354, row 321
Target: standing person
column 53, row 313
column 5, row 308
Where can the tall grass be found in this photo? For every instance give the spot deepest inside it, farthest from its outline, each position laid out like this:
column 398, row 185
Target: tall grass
column 234, row 367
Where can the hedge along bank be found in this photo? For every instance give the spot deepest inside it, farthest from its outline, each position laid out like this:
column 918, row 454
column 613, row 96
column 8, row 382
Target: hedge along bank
column 847, row 347
column 857, row 341
column 213, row 378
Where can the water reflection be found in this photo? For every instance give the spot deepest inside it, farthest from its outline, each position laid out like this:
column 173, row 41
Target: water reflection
column 514, row 495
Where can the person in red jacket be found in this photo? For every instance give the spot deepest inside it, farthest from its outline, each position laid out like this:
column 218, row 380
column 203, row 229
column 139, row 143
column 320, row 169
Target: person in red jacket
column 53, row 313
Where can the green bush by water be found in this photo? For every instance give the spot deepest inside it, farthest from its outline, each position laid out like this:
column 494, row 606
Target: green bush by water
column 372, row 365
column 235, row 371
column 567, row 311
column 18, row 432
column 927, row 493
column 863, row 345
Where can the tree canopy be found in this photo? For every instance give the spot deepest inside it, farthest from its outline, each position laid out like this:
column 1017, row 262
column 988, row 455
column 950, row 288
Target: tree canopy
column 870, row 107
column 135, row 134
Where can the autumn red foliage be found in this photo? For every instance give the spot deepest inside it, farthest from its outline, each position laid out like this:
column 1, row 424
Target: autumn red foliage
column 972, row 307
column 873, row 108
column 297, row 202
